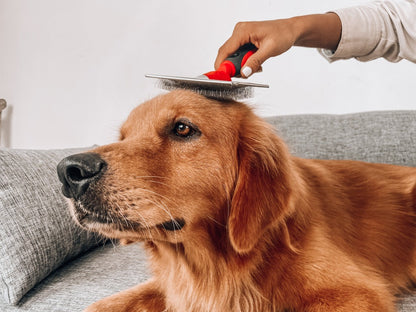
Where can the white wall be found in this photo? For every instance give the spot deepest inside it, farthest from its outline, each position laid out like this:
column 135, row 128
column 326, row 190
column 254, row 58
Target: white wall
column 72, row 70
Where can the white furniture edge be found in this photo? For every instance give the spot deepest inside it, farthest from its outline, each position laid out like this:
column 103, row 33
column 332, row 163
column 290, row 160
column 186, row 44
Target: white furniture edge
column 3, row 105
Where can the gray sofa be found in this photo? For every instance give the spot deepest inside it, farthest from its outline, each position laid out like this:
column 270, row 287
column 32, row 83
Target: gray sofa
column 70, row 269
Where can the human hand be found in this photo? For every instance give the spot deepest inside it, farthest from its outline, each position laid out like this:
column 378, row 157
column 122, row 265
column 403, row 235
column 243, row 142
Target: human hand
column 271, row 38
column 275, row 37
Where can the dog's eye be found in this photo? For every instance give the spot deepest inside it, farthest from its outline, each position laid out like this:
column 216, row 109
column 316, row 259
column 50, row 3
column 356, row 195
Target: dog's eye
column 184, row 129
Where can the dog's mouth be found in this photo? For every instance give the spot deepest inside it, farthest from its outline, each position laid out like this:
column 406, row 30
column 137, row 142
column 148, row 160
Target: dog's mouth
column 108, row 223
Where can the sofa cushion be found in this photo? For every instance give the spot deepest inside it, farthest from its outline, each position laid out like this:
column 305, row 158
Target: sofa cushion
column 37, row 233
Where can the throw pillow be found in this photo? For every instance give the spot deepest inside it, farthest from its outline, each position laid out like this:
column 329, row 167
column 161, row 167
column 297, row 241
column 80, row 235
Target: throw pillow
column 37, row 233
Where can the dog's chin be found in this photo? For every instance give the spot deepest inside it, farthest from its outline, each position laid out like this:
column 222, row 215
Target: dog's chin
column 101, row 223
column 117, row 228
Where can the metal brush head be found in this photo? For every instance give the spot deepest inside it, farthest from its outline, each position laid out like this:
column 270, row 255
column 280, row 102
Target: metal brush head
column 217, row 89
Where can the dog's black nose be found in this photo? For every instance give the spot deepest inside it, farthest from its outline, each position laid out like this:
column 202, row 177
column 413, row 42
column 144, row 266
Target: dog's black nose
column 78, row 171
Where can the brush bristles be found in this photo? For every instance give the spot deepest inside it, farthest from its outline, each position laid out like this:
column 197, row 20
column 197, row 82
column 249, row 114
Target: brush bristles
column 215, row 92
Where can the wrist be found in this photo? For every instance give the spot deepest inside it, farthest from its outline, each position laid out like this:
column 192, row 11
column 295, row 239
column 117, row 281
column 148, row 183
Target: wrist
column 299, row 29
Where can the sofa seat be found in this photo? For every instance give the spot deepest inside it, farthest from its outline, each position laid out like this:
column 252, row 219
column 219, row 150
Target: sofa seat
column 99, row 273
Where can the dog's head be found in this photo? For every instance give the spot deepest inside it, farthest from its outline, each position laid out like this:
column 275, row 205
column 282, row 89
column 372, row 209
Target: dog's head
column 183, row 161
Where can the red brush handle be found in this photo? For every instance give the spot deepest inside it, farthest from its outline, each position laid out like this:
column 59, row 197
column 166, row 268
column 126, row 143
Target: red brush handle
column 232, row 65
column 239, row 58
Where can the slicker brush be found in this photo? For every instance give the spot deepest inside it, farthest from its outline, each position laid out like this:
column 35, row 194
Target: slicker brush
column 217, row 84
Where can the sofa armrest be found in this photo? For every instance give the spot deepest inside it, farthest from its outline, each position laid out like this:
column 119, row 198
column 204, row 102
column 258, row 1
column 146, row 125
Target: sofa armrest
column 3, row 105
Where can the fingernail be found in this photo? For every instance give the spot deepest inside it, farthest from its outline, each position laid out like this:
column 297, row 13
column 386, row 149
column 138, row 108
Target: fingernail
column 247, row 71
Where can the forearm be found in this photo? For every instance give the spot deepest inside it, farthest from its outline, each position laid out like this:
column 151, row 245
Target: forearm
column 317, row 30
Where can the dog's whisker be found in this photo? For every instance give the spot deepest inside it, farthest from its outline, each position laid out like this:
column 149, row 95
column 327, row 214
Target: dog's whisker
column 228, row 202
column 124, row 219
column 150, row 179
column 142, row 219
column 158, row 182
column 156, row 193
column 161, row 205
column 215, row 221
column 146, row 225
column 174, row 222
column 165, row 209
column 142, row 176
column 112, row 241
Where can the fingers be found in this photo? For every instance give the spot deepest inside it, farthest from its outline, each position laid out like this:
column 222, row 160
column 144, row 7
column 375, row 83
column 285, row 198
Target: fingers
column 254, row 62
column 238, row 38
column 225, row 50
column 245, row 32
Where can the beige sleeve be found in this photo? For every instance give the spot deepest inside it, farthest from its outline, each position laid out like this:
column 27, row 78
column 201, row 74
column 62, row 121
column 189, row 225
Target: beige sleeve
column 379, row 29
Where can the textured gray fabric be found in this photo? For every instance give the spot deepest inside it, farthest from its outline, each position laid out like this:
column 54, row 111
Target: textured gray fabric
column 37, row 233
column 381, row 137
column 98, row 274
column 387, row 137
column 407, row 303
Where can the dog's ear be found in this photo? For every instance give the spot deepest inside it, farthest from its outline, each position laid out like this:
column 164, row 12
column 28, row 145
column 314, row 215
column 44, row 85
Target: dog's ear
column 263, row 186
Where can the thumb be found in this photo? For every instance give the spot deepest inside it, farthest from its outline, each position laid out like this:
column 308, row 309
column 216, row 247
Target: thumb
column 253, row 63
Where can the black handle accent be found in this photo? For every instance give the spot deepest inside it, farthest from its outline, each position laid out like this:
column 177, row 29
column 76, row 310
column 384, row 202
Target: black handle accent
column 237, row 57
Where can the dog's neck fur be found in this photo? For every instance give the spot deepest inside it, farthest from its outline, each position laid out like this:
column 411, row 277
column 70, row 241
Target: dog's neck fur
column 195, row 270
column 194, row 279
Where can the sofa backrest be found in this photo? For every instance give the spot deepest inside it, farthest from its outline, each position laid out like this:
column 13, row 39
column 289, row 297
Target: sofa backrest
column 380, row 137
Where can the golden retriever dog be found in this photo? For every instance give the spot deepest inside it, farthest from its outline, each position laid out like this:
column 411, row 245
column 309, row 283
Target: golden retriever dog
column 233, row 222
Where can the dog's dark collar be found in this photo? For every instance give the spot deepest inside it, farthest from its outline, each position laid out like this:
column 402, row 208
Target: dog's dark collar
column 172, row 225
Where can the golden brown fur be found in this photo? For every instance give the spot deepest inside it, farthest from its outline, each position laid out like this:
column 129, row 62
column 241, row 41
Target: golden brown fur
column 264, row 230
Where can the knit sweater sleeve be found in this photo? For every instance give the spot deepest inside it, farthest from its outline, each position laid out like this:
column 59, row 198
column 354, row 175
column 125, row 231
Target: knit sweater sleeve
column 379, row 29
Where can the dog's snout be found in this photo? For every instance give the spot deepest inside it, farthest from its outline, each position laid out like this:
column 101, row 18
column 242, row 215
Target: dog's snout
column 78, row 171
